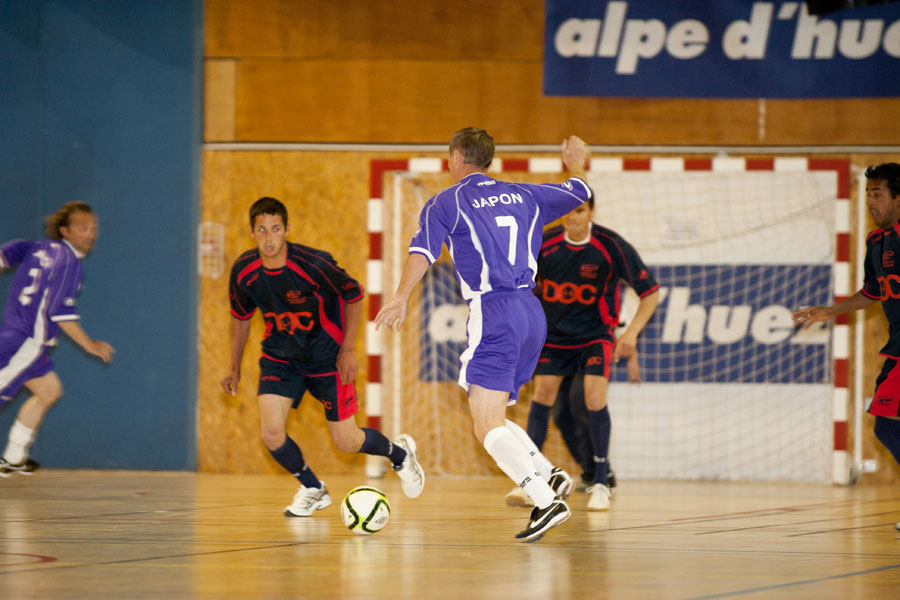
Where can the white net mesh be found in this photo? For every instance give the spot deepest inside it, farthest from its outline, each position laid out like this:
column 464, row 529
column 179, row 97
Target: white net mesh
column 730, row 390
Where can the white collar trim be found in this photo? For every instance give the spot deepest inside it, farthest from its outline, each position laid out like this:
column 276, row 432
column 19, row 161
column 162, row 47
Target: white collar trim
column 77, row 253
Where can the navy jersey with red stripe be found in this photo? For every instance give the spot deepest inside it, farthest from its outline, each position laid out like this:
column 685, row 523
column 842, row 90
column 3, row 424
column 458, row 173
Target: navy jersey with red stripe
column 578, row 284
column 882, row 281
column 302, row 303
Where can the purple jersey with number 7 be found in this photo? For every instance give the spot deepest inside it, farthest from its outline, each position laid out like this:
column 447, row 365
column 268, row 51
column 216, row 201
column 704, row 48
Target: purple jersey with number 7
column 493, row 229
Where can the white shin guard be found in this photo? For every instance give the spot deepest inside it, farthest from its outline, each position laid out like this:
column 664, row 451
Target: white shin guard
column 514, row 460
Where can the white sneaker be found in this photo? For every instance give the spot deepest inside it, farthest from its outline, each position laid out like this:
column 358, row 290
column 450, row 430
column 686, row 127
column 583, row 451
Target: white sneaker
column 600, row 496
column 411, row 475
column 518, row 497
column 307, row 501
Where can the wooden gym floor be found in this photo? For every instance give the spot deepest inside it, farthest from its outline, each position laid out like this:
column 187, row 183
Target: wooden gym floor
column 126, row 534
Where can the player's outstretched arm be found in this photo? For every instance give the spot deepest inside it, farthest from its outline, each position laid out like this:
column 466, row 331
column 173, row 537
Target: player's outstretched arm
column 575, row 155
column 100, row 349
column 393, row 312
column 816, row 314
column 240, row 331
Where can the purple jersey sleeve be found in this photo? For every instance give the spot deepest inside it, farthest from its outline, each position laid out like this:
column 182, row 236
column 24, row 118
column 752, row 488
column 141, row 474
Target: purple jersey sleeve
column 557, row 199
column 12, row 253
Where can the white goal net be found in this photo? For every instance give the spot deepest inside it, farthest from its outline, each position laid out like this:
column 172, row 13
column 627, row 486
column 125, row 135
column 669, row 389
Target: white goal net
column 731, row 390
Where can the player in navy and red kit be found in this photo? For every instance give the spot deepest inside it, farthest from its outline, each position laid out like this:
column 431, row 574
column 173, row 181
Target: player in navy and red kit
column 493, row 232
column 42, row 301
column 882, row 282
column 579, row 270
column 312, row 310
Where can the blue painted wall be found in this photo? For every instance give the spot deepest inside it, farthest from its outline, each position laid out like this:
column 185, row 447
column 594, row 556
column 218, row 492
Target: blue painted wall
column 100, row 101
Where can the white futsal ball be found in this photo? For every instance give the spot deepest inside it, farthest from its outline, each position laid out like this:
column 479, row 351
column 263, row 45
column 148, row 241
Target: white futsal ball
column 365, row 510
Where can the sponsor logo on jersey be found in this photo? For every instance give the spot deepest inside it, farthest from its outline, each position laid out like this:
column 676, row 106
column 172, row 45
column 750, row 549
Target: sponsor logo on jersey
column 288, row 322
column 271, row 378
column 887, row 258
column 295, row 297
column 590, row 271
column 568, row 292
column 890, row 287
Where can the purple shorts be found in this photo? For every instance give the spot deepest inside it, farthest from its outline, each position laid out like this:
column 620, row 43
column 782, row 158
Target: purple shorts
column 506, row 332
column 21, row 359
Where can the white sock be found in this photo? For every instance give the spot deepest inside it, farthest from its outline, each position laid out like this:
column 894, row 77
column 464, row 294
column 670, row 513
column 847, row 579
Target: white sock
column 513, row 459
column 544, row 466
column 20, row 439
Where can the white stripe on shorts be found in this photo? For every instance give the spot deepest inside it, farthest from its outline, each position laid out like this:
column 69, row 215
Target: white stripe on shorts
column 474, row 331
column 28, row 352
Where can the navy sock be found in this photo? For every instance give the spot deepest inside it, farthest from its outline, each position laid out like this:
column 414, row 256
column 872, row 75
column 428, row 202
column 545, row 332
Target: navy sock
column 538, row 422
column 600, row 425
column 377, row 443
column 290, row 457
column 888, row 433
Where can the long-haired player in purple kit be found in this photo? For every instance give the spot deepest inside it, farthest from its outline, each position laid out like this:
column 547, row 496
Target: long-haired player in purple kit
column 312, row 310
column 42, row 301
column 493, row 231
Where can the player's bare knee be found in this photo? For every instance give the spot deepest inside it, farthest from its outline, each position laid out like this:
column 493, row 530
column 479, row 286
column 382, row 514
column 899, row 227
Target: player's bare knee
column 49, row 397
column 350, row 441
column 480, row 431
column 272, row 437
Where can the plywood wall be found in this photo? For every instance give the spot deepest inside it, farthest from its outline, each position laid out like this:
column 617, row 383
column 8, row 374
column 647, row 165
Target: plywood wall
column 410, row 71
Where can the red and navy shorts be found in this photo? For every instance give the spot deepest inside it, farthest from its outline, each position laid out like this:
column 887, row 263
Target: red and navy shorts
column 284, row 378
column 592, row 359
column 886, row 402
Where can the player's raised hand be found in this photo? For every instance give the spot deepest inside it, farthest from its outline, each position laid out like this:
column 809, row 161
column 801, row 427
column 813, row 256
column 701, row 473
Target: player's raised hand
column 811, row 314
column 575, row 154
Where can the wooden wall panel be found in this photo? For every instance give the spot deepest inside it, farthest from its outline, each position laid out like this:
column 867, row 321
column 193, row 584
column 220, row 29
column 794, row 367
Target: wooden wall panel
column 378, row 30
column 403, row 101
column 410, row 72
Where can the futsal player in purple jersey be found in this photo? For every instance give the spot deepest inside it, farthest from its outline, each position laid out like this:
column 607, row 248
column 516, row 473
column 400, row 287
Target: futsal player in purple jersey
column 882, row 282
column 493, row 231
column 312, row 310
column 42, row 301
column 579, row 270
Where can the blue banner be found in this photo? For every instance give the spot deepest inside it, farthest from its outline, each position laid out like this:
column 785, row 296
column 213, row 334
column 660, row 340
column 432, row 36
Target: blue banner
column 719, row 49
column 714, row 324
